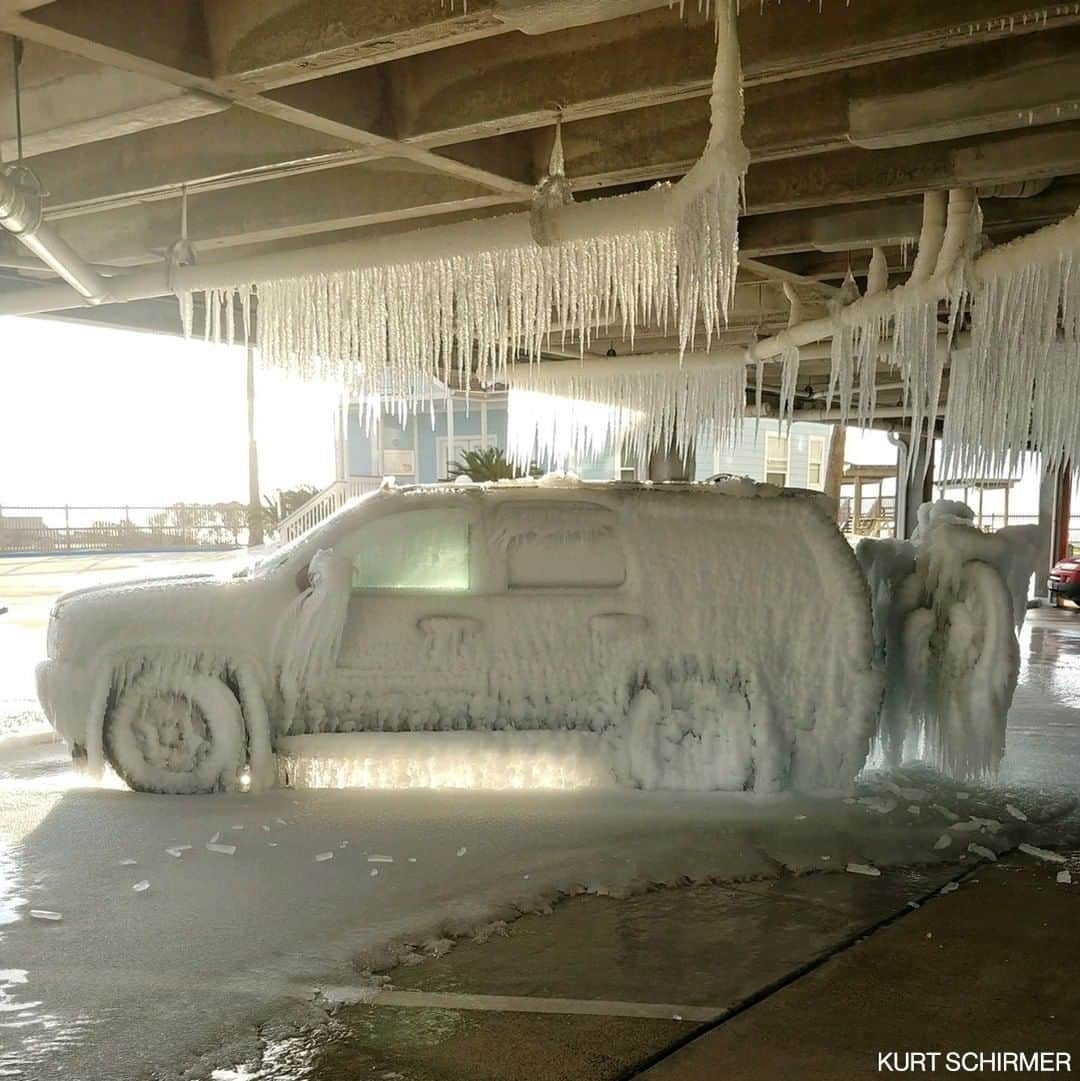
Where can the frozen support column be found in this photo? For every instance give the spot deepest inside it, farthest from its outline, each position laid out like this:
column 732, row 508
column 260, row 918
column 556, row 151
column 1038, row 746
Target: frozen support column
column 917, row 482
column 255, row 510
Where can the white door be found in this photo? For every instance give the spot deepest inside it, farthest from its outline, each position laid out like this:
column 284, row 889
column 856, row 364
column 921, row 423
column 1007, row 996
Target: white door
column 414, row 652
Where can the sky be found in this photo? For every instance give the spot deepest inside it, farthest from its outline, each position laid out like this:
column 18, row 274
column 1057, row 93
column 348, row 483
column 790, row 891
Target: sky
column 99, row 416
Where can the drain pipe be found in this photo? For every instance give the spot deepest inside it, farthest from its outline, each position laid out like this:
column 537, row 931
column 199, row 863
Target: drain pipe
column 20, row 215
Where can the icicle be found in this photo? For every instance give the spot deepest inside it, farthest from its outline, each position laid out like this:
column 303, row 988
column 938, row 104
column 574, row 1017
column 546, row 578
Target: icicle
column 1017, row 387
column 559, row 417
column 709, row 196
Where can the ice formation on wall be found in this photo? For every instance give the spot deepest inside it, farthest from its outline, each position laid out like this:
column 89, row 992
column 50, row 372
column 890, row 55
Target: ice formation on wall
column 947, row 605
column 561, row 414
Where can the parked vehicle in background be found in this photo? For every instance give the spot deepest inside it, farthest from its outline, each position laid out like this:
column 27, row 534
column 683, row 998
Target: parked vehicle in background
column 1064, row 581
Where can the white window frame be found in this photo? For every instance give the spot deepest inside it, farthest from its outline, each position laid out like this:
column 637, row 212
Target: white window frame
column 771, row 459
column 818, row 442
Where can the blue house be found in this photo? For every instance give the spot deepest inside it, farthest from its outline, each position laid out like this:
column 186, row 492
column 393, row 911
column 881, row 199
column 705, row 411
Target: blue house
column 420, row 446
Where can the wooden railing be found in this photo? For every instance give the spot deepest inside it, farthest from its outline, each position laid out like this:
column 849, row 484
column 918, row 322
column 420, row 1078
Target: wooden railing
column 321, row 506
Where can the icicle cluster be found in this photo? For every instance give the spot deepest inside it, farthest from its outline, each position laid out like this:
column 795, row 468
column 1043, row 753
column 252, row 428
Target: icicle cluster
column 561, row 418
column 391, row 330
column 1017, row 388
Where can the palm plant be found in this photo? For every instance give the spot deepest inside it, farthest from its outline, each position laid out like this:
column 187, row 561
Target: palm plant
column 487, row 464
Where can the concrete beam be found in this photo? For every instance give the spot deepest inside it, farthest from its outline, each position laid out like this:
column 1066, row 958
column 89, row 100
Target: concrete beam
column 377, row 191
column 174, row 35
column 257, row 44
column 472, row 90
column 858, row 175
column 233, row 145
column 68, row 101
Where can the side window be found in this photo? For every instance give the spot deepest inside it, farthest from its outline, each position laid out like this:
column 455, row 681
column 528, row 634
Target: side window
column 560, row 546
column 420, row 549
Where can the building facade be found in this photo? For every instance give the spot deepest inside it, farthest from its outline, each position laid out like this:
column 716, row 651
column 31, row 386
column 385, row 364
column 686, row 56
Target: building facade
column 420, row 446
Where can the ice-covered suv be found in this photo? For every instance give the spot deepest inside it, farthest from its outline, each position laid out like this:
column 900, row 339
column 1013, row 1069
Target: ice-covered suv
column 645, row 631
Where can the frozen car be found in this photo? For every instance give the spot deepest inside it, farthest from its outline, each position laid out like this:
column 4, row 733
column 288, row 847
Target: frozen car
column 640, row 622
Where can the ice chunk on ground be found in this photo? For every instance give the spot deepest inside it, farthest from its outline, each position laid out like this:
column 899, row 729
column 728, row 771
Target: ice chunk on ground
column 214, row 840
column 1041, row 853
column 374, row 872
column 141, row 887
column 1016, row 812
column 1064, row 877
column 462, row 850
column 322, row 857
column 943, row 841
column 128, row 863
column 176, row 851
column 225, row 850
column 945, row 812
column 982, row 851
column 914, row 809
column 383, row 859
column 45, row 914
column 863, row 869
column 949, row 887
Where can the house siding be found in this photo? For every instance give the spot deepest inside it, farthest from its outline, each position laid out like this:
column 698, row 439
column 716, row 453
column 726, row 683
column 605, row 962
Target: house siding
column 422, row 431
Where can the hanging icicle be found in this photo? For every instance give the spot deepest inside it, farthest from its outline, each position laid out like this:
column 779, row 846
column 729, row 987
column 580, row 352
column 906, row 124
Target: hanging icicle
column 708, row 198
column 1016, row 389
column 561, row 417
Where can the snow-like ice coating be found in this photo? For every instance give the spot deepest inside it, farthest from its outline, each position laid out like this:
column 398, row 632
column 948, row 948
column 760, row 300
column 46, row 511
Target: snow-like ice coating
column 947, row 605
column 654, row 619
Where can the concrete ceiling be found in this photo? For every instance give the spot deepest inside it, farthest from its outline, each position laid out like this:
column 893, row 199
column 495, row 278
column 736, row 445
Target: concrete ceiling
column 298, row 122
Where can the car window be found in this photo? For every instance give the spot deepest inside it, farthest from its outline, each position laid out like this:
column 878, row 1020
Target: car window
column 420, row 549
column 560, row 546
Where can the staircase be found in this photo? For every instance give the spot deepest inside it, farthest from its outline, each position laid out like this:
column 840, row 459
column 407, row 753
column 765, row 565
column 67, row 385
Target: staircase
column 321, row 506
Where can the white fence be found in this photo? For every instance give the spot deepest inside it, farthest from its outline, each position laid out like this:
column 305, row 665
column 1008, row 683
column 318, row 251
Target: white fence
column 324, row 504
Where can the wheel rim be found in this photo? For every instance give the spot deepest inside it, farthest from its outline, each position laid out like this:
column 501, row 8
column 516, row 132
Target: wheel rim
column 172, row 729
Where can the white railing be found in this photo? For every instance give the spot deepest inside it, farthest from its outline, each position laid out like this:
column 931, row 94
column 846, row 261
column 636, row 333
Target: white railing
column 324, row 504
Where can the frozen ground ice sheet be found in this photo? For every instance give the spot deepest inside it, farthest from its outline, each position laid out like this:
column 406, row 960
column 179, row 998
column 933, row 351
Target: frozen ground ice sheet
column 130, row 981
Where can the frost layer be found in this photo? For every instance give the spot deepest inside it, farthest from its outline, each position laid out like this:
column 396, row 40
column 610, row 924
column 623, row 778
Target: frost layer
column 947, row 605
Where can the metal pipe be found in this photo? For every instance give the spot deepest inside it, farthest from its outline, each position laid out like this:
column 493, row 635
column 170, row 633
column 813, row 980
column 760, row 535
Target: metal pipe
column 20, row 215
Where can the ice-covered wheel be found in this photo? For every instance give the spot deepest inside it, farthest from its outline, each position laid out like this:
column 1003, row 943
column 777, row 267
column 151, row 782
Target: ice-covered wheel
column 180, row 736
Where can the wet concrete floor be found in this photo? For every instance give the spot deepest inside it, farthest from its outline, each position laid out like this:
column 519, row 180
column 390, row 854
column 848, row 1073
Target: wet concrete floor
column 679, row 958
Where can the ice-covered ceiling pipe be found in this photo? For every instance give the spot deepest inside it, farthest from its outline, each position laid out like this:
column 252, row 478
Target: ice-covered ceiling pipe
column 707, row 199
column 21, row 215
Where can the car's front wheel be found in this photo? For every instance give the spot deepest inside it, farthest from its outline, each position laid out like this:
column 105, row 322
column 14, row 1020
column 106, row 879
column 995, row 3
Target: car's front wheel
column 183, row 735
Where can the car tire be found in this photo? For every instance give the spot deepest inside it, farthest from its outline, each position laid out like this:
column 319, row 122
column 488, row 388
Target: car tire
column 182, row 735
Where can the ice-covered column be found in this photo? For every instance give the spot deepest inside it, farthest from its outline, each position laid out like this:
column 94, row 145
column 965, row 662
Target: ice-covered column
column 918, row 482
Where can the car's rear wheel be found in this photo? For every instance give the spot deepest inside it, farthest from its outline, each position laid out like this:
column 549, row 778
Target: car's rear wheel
column 184, row 735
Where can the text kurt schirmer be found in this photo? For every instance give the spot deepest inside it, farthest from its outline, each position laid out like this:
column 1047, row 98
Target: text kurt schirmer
column 975, row 1061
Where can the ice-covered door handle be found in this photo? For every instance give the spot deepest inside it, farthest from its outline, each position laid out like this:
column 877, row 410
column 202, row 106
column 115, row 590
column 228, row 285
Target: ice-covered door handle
column 451, row 639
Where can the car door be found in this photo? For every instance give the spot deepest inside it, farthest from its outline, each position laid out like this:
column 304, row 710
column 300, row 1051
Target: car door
column 568, row 634
column 414, row 653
